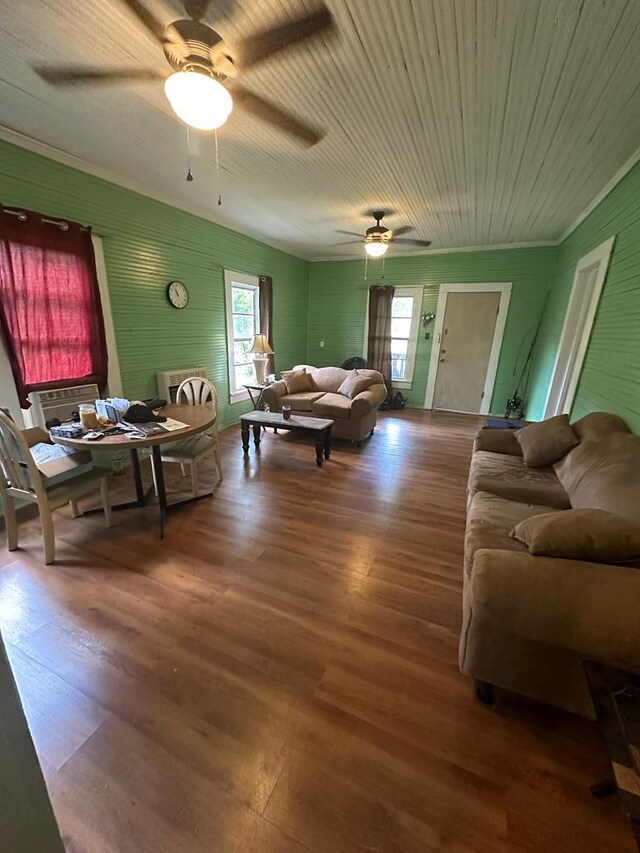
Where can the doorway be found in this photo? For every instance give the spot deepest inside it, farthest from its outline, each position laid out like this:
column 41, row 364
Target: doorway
column 470, row 321
column 588, row 280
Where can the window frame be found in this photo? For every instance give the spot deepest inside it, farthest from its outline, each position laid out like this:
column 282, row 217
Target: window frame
column 416, row 292
column 250, row 282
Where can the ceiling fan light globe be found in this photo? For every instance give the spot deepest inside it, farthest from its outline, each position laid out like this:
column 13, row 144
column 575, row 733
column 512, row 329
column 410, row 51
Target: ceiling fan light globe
column 376, row 250
column 198, row 99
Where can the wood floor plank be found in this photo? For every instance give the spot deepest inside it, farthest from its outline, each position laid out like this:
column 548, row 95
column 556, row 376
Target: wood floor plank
column 279, row 674
column 61, row 718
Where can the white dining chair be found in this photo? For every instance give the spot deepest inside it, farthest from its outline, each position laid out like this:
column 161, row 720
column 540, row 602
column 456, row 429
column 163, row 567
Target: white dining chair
column 20, row 480
column 196, row 391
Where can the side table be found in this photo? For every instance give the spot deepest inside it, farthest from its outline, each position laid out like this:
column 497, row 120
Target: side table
column 255, row 392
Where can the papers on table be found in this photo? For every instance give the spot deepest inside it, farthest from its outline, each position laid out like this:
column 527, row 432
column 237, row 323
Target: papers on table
column 150, row 429
column 171, row 424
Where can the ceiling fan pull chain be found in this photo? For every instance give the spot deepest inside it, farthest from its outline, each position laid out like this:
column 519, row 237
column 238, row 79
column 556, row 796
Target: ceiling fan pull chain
column 366, row 266
column 383, row 260
column 189, row 172
column 215, row 136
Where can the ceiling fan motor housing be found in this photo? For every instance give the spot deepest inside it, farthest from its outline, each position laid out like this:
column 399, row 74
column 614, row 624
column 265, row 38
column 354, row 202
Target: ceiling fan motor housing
column 199, row 48
column 377, row 234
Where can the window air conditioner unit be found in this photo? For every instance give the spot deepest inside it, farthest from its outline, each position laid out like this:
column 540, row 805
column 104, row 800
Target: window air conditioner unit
column 58, row 403
column 169, row 381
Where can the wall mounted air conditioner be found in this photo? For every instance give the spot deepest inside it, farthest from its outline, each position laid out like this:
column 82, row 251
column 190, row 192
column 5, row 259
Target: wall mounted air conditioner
column 58, row 403
column 169, row 381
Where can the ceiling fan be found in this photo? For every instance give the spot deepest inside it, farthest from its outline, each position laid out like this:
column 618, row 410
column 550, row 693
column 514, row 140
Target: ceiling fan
column 377, row 238
column 202, row 89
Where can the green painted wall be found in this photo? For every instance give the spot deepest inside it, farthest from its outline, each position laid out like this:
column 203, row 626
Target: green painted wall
column 610, row 378
column 146, row 245
column 338, row 298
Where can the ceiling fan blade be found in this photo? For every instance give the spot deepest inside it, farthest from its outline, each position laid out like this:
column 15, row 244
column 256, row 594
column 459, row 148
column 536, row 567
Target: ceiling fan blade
column 351, row 234
column 266, row 43
column 269, row 112
column 404, row 229
column 410, row 242
column 347, row 243
column 196, row 9
column 153, row 26
column 75, row 75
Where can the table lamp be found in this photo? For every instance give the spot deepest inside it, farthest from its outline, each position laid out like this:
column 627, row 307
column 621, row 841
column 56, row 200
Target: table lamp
column 261, row 350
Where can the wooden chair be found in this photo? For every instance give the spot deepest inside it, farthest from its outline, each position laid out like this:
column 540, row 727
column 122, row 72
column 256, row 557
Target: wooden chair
column 196, row 391
column 21, row 480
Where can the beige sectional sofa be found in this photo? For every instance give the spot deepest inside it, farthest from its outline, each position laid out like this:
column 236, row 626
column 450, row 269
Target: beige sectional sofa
column 354, row 419
column 530, row 621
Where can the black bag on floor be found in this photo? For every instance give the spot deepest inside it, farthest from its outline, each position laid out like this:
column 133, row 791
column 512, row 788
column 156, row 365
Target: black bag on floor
column 395, row 401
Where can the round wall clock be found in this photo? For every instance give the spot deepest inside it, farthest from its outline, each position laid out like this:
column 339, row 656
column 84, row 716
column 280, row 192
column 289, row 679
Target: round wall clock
column 177, row 294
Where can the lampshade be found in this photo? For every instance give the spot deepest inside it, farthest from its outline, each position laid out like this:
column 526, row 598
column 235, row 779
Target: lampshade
column 198, row 99
column 260, row 345
column 376, row 250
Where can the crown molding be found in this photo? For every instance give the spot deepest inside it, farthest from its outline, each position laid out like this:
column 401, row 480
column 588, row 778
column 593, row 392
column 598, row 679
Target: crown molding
column 495, row 247
column 21, row 140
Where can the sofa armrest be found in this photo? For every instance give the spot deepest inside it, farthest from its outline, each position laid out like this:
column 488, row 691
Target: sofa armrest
column 590, row 608
column 497, row 441
column 272, row 394
column 369, row 399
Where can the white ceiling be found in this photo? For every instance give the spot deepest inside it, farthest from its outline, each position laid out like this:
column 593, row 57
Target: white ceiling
column 486, row 122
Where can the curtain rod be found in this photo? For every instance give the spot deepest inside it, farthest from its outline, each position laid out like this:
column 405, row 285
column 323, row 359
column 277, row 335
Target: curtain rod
column 22, row 217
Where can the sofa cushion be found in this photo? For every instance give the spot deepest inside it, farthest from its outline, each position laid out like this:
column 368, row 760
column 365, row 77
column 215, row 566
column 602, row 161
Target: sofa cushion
column 604, row 474
column 297, row 381
column 332, row 406
column 355, row 384
column 508, row 477
column 497, row 441
column 580, row 534
column 301, row 402
column 545, row 442
column 331, row 378
column 327, row 378
column 490, row 520
column 599, row 425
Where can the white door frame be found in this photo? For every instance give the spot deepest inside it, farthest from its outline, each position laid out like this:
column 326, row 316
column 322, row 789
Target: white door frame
column 504, row 289
column 572, row 347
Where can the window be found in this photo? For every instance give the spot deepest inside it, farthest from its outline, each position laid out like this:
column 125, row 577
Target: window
column 243, row 322
column 405, row 320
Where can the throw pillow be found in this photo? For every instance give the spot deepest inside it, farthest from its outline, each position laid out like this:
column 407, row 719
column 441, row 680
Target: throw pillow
column 580, row 534
column 355, row 384
column 544, row 443
column 296, row 381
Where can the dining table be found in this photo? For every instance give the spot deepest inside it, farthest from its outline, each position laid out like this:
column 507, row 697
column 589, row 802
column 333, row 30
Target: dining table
column 197, row 419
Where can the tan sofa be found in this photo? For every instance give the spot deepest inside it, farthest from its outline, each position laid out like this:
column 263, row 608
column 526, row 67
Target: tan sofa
column 354, row 419
column 530, row 621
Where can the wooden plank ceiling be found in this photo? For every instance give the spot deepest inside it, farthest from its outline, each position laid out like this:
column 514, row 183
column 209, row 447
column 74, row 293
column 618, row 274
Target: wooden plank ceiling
column 486, row 122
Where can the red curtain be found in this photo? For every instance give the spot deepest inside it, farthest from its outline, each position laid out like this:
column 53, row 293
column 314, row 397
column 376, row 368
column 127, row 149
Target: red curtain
column 50, row 310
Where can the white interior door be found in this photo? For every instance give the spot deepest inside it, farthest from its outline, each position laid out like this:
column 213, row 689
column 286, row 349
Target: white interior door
column 465, row 348
column 587, row 286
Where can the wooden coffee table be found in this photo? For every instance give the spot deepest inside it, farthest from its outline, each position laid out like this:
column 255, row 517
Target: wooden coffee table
column 320, row 427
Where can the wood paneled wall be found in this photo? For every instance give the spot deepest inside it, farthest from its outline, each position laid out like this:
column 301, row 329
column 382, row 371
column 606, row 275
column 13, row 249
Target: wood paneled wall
column 610, row 379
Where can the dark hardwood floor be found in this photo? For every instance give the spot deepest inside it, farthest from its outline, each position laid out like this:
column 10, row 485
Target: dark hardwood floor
column 280, row 674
